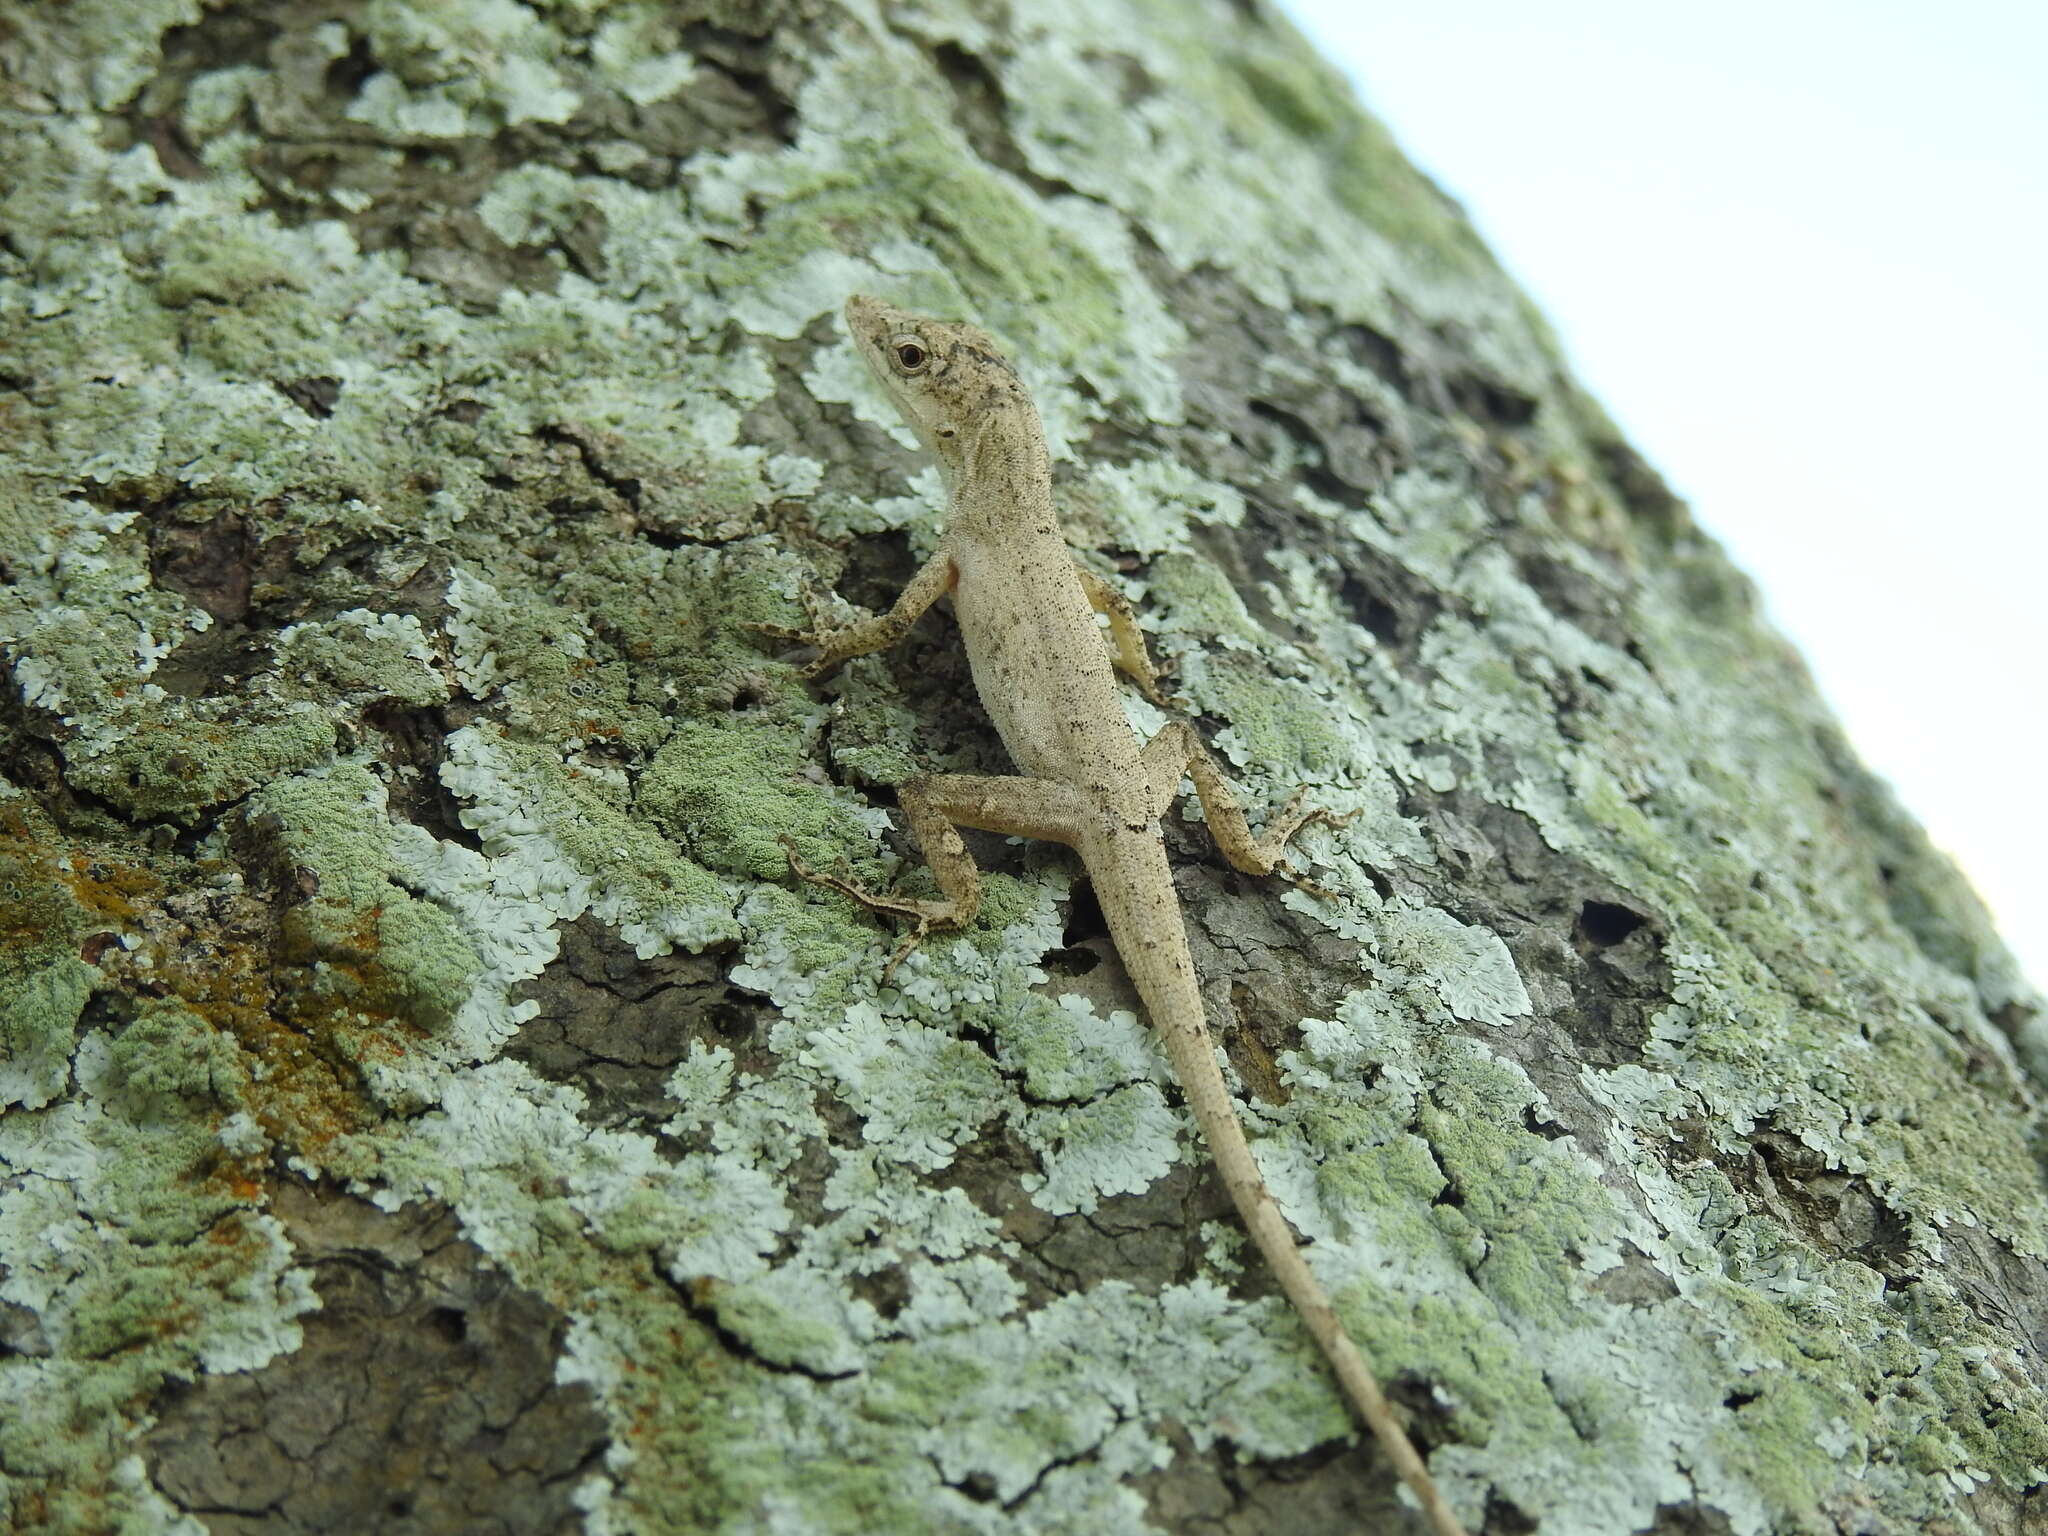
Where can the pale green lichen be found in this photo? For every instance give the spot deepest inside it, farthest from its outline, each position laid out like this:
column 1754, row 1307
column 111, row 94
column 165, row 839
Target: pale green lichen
column 372, row 945
column 634, row 50
column 44, row 986
column 1065, row 1052
column 83, row 625
column 574, row 444
column 578, row 847
column 138, row 1258
column 39, row 1015
column 168, row 1060
column 1118, row 1144
column 920, row 1093
column 1468, row 969
column 729, row 789
column 361, row 656
column 1149, row 507
column 796, row 1317
column 461, row 71
column 182, row 763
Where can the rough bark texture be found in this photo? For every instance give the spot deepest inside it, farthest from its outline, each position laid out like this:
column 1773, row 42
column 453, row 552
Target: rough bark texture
column 430, row 1106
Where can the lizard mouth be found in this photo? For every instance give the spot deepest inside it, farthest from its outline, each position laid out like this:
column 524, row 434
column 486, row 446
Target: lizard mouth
column 871, row 320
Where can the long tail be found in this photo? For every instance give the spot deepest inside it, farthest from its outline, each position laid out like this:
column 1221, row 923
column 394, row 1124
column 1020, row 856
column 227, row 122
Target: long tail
column 1134, row 885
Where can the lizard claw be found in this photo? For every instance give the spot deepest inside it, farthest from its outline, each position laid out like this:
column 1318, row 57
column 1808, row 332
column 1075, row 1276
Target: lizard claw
column 1159, row 686
column 1295, row 877
column 910, row 942
column 821, row 633
column 920, row 913
column 1294, row 818
column 825, row 663
column 827, row 658
column 1288, row 824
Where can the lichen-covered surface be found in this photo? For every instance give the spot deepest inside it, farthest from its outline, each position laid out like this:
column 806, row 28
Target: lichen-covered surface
column 429, row 1103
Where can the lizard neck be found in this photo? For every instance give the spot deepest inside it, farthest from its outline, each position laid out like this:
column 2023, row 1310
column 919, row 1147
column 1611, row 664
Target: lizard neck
column 1002, row 481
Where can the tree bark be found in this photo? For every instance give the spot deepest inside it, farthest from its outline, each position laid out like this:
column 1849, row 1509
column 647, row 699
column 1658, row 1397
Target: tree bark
column 432, row 1106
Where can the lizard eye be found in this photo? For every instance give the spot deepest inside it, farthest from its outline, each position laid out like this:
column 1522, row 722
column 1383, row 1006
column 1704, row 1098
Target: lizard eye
column 911, row 357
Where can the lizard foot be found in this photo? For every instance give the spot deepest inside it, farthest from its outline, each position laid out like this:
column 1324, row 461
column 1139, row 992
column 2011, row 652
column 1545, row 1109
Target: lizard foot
column 1158, row 684
column 821, row 633
column 922, row 915
column 1296, row 878
column 1291, row 820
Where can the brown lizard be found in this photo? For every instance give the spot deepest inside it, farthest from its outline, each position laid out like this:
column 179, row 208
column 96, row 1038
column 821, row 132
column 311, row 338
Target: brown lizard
column 1027, row 613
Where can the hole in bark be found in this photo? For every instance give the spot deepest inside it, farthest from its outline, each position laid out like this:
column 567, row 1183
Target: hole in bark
column 1085, row 922
column 1490, row 400
column 1602, row 925
column 316, row 396
column 1374, row 614
column 347, row 74
column 1504, row 1519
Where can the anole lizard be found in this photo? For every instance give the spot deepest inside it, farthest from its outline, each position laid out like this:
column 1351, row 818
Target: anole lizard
column 1027, row 613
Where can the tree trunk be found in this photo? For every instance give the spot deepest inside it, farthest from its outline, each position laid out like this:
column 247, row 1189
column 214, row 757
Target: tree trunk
column 434, row 1107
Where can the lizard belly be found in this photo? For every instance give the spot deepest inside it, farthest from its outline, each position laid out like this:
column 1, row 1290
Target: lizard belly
column 1043, row 673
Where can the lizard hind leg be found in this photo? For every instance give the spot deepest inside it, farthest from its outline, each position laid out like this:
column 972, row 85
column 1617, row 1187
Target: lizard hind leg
column 936, row 807
column 1177, row 750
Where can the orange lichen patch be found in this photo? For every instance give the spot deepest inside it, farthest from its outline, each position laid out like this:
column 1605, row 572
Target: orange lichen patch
column 236, row 1182
column 36, row 875
column 312, row 1093
column 222, row 1235
column 186, row 936
column 360, row 994
column 219, row 964
column 111, row 889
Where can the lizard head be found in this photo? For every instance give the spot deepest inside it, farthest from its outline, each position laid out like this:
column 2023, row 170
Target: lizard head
column 951, row 383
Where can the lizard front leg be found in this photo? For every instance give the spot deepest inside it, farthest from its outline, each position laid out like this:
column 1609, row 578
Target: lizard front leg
column 1177, row 750
column 936, row 807
column 842, row 642
column 1127, row 641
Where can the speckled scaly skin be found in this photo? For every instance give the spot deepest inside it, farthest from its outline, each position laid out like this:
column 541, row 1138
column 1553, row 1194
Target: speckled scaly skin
column 1027, row 614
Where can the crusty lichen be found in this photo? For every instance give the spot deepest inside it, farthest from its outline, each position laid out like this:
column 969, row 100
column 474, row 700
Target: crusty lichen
column 398, row 456
column 369, row 944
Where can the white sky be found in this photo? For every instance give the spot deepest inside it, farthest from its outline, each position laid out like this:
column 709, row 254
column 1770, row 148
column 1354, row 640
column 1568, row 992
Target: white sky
column 1800, row 252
